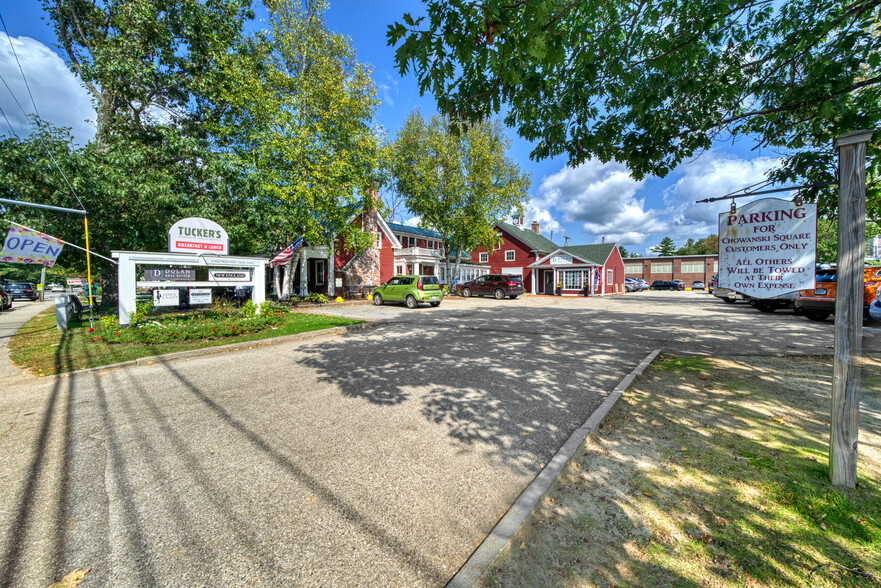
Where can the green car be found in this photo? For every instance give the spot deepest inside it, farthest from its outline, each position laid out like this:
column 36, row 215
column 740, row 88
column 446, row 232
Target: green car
column 411, row 290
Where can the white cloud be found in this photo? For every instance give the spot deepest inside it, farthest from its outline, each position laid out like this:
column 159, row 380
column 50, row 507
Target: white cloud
column 535, row 213
column 603, row 198
column 711, row 175
column 387, row 88
column 61, row 99
column 413, row 222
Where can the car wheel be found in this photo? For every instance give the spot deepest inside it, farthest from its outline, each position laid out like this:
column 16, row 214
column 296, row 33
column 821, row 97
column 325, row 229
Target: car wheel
column 499, row 294
column 466, row 292
column 513, row 296
column 765, row 306
column 435, row 304
column 815, row 315
column 411, row 301
column 377, row 299
column 729, row 300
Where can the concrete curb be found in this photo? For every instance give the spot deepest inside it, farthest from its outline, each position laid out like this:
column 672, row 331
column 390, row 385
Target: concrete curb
column 502, row 534
column 224, row 348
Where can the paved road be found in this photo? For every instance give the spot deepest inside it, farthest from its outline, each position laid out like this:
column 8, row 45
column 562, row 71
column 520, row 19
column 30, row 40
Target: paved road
column 379, row 457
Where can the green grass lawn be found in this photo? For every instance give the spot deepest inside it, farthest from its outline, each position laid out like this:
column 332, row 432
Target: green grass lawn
column 711, row 472
column 44, row 350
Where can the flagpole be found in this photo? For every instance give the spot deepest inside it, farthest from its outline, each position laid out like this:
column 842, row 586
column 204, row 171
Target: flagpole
column 88, row 261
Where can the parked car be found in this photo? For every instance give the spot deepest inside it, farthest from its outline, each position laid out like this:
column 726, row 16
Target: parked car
column 729, row 296
column 697, row 285
column 57, row 288
column 714, row 281
column 23, row 290
column 411, row 290
column 772, row 304
column 667, row 285
column 5, row 299
column 497, row 285
column 644, row 283
column 633, row 285
column 818, row 304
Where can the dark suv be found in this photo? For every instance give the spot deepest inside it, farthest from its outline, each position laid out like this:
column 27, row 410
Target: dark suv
column 5, row 299
column 22, row 290
column 497, row 285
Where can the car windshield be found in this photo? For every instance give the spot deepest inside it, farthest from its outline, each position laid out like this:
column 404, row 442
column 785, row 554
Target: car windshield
column 826, row 276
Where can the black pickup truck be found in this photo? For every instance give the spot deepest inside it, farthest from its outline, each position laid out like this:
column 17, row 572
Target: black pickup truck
column 665, row 285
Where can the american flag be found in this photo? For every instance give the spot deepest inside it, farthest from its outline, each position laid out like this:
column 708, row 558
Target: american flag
column 286, row 255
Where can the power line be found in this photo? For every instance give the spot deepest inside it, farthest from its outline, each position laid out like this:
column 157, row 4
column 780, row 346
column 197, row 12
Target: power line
column 9, row 123
column 39, row 137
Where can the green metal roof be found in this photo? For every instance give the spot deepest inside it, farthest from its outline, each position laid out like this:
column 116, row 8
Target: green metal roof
column 399, row 228
column 530, row 238
column 598, row 253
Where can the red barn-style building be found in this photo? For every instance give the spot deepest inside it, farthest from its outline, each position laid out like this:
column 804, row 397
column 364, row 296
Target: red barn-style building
column 580, row 269
column 519, row 249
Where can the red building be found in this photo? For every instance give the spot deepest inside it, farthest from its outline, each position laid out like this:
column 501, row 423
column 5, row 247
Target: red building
column 519, row 249
column 578, row 269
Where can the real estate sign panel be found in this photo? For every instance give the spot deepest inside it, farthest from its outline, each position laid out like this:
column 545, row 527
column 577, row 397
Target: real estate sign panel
column 768, row 247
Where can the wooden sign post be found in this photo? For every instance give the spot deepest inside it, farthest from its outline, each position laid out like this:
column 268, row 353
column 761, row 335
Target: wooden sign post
column 844, row 428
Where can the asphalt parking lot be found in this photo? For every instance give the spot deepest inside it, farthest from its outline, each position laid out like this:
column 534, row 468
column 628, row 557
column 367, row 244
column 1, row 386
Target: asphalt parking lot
column 378, row 457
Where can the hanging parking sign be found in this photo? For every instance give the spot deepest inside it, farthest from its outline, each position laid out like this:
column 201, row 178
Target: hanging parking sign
column 768, row 248
column 197, row 235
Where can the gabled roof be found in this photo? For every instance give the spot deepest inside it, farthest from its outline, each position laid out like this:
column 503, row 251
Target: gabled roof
column 399, row 228
column 598, row 253
column 528, row 237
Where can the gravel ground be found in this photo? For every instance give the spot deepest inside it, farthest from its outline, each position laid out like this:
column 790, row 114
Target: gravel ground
column 379, row 457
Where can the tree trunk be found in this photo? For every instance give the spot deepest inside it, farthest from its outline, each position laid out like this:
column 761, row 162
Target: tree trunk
column 109, row 281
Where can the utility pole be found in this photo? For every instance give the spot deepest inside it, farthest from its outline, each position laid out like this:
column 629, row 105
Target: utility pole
column 844, row 429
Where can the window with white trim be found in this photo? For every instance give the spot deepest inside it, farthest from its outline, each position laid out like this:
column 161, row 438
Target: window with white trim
column 715, row 267
column 633, row 268
column 484, row 257
column 319, row 272
column 572, row 279
column 664, row 267
column 692, row 267
column 509, row 255
column 378, row 243
column 498, row 246
column 610, row 276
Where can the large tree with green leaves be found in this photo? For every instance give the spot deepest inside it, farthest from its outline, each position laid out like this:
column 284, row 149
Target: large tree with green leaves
column 459, row 184
column 665, row 248
column 650, row 84
column 299, row 125
column 153, row 70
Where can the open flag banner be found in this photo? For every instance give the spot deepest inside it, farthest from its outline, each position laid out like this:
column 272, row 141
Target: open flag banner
column 26, row 246
column 286, row 255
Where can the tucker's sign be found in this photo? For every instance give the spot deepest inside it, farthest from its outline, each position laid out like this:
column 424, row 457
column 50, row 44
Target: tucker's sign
column 197, row 235
column 768, row 248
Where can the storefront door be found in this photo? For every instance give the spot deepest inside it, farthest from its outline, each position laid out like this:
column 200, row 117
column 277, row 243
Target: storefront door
column 549, row 282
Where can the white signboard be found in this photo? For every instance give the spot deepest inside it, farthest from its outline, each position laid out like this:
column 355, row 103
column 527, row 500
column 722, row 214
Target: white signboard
column 26, row 246
column 76, row 282
column 200, row 296
column 560, row 259
column 768, row 248
column 224, row 275
column 197, row 235
column 166, row 298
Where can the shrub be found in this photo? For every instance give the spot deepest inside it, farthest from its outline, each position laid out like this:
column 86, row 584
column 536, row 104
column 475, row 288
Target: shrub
column 248, row 309
column 316, row 298
column 142, row 309
column 108, row 321
column 265, row 308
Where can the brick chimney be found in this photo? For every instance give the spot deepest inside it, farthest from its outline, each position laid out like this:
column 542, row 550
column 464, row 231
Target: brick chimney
column 535, row 226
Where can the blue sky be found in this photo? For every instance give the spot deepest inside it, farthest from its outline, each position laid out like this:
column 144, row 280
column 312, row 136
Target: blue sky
column 586, row 204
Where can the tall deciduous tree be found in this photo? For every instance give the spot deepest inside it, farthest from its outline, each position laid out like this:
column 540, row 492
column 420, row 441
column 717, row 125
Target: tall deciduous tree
column 300, row 126
column 459, row 184
column 151, row 67
column 650, row 84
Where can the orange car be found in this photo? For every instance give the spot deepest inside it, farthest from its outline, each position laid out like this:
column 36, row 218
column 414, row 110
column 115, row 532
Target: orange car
column 819, row 303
